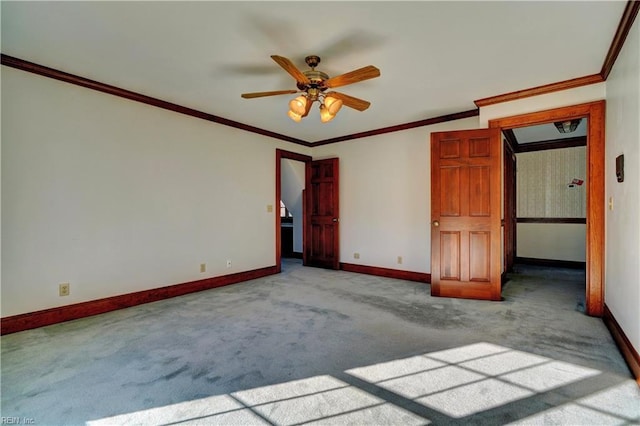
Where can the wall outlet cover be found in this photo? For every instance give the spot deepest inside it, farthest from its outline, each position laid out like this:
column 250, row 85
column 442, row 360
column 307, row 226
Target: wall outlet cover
column 64, row 289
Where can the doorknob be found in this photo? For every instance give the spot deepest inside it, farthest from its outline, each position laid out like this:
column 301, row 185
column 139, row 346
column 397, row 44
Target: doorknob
column 436, row 223
column 335, row 219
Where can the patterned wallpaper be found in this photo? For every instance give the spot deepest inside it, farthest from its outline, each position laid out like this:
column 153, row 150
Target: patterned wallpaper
column 543, row 179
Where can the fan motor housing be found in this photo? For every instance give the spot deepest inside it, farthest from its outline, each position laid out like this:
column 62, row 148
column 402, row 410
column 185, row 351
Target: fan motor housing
column 312, row 60
column 316, row 78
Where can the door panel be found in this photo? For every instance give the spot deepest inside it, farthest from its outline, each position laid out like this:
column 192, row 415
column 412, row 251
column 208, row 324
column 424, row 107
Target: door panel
column 479, row 202
column 479, row 147
column 450, row 255
column 465, row 214
column 450, row 195
column 322, row 217
column 479, row 259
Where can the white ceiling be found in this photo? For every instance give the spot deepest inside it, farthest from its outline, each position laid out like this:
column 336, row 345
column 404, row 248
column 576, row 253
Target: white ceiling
column 547, row 132
column 435, row 58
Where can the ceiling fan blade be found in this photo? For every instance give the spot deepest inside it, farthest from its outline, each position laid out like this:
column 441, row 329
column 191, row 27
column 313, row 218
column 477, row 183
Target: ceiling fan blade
column 350, row 101
column 307, row 108
column 261, row 94
column 356, row 76
column 288, row 66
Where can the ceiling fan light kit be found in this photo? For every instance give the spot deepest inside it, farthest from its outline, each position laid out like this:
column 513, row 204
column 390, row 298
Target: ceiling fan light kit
column 312, row 84
column 295, row 117
column 298, row 105
column 568, row 126
column 325, row 115
column 332, row 104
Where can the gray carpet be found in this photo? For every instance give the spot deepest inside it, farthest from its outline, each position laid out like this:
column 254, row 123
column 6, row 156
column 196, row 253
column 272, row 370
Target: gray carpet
column 330, row 347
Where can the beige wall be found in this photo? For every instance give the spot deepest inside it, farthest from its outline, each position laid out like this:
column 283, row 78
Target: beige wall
column 622, row 289
column 385, row 190
column 556, row 241
column 114, row 196
column 543, row 179
column 543, row 191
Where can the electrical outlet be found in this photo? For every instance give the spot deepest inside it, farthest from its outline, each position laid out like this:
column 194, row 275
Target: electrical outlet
column 64, row 289
column 356, row 255
column 203, row 267
column 228, row 264
column 399, row 260
column 270, row 208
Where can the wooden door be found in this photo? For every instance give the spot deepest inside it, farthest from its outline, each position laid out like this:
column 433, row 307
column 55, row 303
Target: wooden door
column 510, row 216
column 465, row 214
column 322, row 245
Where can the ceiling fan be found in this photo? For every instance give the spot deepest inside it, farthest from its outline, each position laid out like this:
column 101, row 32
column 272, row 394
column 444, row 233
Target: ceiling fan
column 313, row 86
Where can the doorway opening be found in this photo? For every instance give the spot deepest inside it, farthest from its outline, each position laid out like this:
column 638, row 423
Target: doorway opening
column 290, row 241
column 290, row 186
column 593, row 114
column 545, row 207
column 320, row 218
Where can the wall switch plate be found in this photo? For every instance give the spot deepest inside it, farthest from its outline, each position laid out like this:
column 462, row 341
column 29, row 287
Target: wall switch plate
column 64, row 289
column 269, row 208
column 228, row 264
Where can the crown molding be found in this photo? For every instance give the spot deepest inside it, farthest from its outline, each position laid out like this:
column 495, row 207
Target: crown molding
column 23, row 65
column 540, row 90
column 55, row 74
column 626, row 22
column 399, row 127
column 551, row 144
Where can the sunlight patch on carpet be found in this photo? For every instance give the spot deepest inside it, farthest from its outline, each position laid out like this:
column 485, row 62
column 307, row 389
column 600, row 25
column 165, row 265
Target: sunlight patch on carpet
column 456, row 383
column 470, row 379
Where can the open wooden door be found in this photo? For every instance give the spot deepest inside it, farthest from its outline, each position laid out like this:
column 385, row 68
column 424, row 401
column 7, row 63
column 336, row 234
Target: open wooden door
column 322, row 244
column 510, row 215
column 465, row 214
